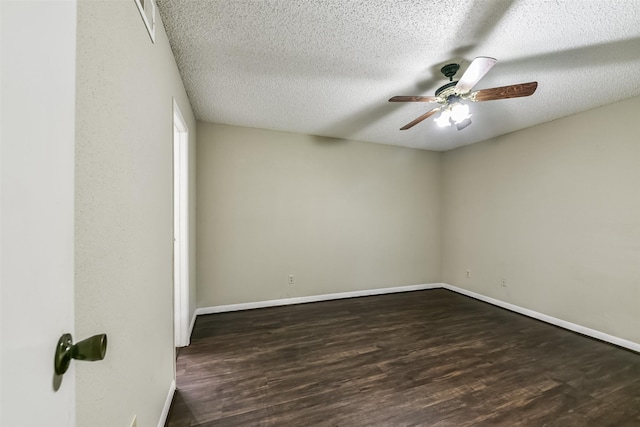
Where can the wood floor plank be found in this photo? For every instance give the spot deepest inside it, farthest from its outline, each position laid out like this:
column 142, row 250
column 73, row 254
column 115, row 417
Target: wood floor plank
column 424, row 358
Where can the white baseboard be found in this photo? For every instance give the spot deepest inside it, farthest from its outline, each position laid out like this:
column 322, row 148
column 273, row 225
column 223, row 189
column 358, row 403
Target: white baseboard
column 549, row 319
column 313, row 298
column 167, row 404
column 512, row 307
column 191, row 325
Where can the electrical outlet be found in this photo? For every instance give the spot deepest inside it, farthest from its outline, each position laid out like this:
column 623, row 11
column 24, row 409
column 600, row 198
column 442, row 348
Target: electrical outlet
column 503, row 282
column 468, row 275
column 291, row 279
column 134, row 422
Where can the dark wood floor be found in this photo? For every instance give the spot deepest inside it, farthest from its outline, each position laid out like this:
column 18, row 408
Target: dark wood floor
column 426, row 358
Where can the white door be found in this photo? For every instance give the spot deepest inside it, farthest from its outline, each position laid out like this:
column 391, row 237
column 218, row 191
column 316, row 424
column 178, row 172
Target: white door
column 37, row 210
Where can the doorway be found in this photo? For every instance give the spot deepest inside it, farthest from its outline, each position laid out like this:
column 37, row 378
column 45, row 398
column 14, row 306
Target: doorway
column 180, row 227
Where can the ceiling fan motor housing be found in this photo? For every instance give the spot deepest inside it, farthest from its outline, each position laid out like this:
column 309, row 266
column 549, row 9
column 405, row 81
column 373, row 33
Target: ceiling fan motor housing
column 445, row 87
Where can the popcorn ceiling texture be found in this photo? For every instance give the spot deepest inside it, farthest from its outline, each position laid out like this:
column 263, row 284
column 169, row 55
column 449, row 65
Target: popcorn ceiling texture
column 328, row 67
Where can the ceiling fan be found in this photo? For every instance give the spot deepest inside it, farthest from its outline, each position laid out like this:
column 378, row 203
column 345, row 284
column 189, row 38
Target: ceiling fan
column 451, row 95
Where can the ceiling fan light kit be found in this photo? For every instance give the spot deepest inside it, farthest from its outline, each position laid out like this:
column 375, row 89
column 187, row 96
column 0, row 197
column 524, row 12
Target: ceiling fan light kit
column 451, row 95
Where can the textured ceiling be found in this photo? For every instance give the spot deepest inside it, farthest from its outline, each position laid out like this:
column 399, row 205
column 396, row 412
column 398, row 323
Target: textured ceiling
column 328, row 67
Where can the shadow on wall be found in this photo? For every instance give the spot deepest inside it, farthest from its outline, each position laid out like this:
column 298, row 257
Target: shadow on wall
column 326, row 140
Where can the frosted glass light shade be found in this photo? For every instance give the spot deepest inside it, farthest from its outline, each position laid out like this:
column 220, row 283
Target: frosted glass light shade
column 444, row 119
column 459, row 112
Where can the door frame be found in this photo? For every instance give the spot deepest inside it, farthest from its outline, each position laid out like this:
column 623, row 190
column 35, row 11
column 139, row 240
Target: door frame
column 180, row 227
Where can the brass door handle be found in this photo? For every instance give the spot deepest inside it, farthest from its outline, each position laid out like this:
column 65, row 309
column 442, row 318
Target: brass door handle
column 90, row 349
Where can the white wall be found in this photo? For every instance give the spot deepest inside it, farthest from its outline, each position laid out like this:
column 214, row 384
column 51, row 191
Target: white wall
column 124, row 211
column 555, row 210
column 339, row 215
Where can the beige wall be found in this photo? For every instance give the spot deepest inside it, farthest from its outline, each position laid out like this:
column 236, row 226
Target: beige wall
column 555, row 210
column 339, row 215
column 124, row 211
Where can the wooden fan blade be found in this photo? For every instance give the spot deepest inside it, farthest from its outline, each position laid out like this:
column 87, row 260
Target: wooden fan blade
column 414, row 99
column 504, row 92
column 476, row 71
column 419, row 119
